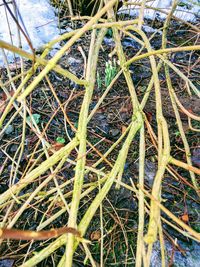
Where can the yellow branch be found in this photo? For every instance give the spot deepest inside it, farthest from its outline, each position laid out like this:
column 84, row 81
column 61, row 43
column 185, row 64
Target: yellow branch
column 41, row 61
column 162, row 51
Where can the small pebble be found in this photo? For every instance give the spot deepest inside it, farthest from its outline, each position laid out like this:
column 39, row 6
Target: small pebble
column 9, row 129
column 114, row 132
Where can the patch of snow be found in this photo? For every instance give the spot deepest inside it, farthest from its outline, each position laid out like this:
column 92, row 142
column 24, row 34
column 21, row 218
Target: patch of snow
column 187, row 9
column 39, row 19
column 190, row 259
column 147, row 28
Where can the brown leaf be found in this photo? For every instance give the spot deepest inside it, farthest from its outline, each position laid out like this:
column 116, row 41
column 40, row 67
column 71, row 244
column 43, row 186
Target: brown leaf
column 57, row 146
column 185, row 217
column 95, row 235
column 2, row 105
column 149, row 116
column 123, row 128
column 3, row 100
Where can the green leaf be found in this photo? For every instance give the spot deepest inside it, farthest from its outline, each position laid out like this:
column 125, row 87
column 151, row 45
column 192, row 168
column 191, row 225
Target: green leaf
column 34, row 117
column 109, row 32
column 60, row 140
column 76, row 125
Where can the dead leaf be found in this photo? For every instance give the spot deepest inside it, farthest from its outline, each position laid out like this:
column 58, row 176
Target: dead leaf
column 2, row 105
column 149, row 116
column 57, row 146
column 96, row 235
column 185, row 218
column 123, row 128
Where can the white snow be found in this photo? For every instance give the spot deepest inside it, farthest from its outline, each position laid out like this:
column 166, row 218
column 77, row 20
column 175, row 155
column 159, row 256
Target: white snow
column 188, row 12
column 39, row 19
column 41, row 22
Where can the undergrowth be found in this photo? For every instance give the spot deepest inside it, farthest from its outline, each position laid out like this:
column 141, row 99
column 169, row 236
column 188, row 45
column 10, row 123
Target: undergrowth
column 67, row 189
